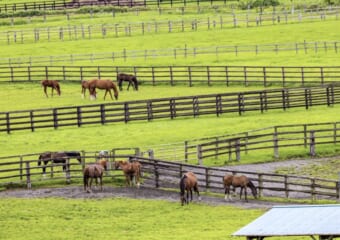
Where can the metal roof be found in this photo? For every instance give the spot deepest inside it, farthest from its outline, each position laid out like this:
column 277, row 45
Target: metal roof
column 295, row 220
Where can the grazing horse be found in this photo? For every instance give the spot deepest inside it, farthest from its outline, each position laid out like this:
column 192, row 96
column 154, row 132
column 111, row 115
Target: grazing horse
column 132, row 171
column 84, row 86
column 106, row 85
column 238, row 181
column 93, row 171
column 187, row 183
column 128, row 78
column 54, row 84
column 58, row 157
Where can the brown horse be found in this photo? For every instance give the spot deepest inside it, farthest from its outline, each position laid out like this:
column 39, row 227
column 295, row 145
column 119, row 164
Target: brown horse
column 132, row 171
column 54, row 84
column 84, row 87
column 187, row 183
column 93, row 171
column 106, row 85
column 103, row 162
column 128, row 78
column 238, row 181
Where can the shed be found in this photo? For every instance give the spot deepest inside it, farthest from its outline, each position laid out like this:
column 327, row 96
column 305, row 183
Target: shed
column 322, row 221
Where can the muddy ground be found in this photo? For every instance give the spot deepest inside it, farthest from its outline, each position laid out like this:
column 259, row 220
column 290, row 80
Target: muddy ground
column 148, row 192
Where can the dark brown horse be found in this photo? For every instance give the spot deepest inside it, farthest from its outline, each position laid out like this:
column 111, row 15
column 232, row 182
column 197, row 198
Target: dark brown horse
column 93, row 171
column 54, row 84
column 238, row 181
column 58, row 157
column 132, row 171
column 187, row 183
column 132, row 79
column 106, row 85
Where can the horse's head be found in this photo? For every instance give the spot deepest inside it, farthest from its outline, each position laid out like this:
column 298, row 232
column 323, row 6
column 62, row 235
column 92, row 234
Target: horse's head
column 135, row 82
column 117, row 164
column 253, row 188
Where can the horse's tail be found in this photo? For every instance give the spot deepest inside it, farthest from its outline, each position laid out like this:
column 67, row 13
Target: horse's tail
column 85, row 177
column 253, row 188
column 39, row 160
column 120, row 81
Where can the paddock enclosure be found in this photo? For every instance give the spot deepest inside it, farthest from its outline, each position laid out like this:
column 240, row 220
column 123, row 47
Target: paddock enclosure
column 24, row 171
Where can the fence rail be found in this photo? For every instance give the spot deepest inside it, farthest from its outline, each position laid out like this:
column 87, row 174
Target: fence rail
column 99, row 31
column 230, row 147
column 165, row 174
column 65, row 4
column 170, row 108
column 189, row 75
column 175, row 53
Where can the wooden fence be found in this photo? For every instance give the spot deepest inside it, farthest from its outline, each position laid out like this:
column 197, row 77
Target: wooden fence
column 99, row 31
column 308, row 136
column 183, row 52
column 65, row 4
column 179, row 75
column 171, row 108
column 164, row 174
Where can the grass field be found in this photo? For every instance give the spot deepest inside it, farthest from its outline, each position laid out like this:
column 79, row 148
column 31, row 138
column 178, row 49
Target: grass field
column 120, row 218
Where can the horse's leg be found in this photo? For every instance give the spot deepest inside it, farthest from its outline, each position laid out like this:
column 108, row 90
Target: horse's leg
column 197, row 192
column 110, row 93
column 52, row 91
column 45, row 91
column 245, row 193
column 129, row 85
column 241, row 193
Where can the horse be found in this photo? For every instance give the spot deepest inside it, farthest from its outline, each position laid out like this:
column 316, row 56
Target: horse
column 132, row 171
column 132, row 79
column 238, row 181
column 187, row 183
column 90, row 172
column 106, row 85
column 57, row 157
column 103, row 162
column 84, row 86
column 54, row 84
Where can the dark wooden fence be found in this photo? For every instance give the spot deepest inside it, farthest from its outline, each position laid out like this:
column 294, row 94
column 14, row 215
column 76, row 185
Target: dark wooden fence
column 65, row 4
column 175, row 75
column 165, row 174
column 295, row 136
column 171, row 108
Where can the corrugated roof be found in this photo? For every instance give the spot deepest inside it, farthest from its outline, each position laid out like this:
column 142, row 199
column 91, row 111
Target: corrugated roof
column 295, row 220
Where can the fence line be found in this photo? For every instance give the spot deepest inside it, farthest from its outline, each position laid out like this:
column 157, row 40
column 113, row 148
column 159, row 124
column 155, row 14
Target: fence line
column 171, row 108
column 184, row 52
column 178, row 75
column 76, row 32
column 276, row 138
column 164, row 174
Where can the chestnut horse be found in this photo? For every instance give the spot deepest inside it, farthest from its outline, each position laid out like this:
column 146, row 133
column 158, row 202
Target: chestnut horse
column 187, row 183
column 132, row 171
column 54, row 84
column 93, row 171
column 106, row 85
column 84, row 86
column 238, row 181
column 128, row 78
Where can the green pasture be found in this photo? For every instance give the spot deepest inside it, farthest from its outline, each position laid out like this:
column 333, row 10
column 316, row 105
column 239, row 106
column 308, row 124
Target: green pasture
column 118, row 218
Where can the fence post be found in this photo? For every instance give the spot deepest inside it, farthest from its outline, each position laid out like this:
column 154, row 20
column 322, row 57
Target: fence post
column 67, row 171
column 21, row 167
column 207, row 179
column 199, row 154
column 313, row 189
column 260, row 187
column 312, row 143
column 237, row 149
column 286, row 187
column 28, row 176
column 276, row 146
column 186, row 151
column 156, row 174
